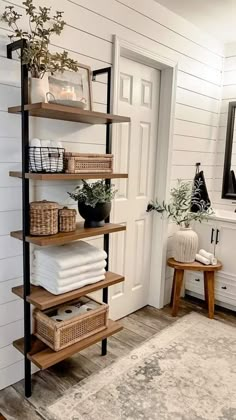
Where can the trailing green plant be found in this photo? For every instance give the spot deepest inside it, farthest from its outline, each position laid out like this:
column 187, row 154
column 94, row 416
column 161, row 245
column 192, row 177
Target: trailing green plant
column 179, row 208
column 92, row 194
column 42, row 26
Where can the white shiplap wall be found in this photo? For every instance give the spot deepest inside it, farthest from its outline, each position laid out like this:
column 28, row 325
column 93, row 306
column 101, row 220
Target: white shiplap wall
column 228, row 95
column 88, row 37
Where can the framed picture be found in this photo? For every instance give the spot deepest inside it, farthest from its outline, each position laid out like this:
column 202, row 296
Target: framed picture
column 71, row 88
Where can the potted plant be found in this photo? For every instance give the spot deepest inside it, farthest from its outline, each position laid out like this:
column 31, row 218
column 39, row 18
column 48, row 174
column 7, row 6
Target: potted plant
column 39, row 60
column 178, row 210
column 94, row 202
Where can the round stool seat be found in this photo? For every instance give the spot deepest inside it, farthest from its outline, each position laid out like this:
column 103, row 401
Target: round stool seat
column 194, row 266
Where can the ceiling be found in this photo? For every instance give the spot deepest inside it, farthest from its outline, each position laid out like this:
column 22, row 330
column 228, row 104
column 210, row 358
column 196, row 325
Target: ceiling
column 217, row 17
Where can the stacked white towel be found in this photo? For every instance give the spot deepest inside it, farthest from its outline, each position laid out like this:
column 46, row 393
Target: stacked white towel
column 68, row 267
column 206, row 258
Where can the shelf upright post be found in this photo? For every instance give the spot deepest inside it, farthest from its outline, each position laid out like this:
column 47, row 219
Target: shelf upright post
column 107, row 71
column 21, row 45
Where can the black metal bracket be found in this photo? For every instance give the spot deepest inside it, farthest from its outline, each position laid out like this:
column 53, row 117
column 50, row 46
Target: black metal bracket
column 95, row 73
column 21, row 45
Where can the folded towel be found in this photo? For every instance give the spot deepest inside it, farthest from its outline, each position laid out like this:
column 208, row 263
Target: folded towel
column 56, row 290
column 70, row 255
column 202, row 259
column 39, row 276
column 209, row 256
column 49, row 269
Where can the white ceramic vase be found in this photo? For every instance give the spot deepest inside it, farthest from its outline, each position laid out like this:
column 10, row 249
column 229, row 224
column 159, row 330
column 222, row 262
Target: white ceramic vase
column 38, row 89
column 185, row 245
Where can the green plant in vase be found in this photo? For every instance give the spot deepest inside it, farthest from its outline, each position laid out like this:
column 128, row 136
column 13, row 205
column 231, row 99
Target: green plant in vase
column 42, row 26
column 94, row 201
column 178, row 210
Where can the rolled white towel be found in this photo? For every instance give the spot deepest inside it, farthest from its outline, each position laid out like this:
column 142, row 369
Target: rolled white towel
column 202, row 259
column 35, row 142
column 209, row 256
column 34, row 156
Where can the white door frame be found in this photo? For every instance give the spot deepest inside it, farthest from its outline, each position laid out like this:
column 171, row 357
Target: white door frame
column 168, row 70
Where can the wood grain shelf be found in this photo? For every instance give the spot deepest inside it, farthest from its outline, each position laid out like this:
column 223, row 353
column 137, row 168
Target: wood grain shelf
column 44, row 357
column 67, row 177
column 43, row 299
column 68, row 113
column 64, row 238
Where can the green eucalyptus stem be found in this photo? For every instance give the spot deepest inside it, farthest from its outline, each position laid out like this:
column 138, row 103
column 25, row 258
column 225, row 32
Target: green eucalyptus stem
column 42, row 26
column 179, row 208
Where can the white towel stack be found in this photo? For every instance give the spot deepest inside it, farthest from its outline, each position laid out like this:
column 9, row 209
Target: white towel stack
column 206, row 258
column 68, row 267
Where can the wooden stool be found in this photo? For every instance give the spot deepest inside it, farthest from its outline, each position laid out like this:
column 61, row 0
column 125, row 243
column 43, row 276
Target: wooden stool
column 209, row 282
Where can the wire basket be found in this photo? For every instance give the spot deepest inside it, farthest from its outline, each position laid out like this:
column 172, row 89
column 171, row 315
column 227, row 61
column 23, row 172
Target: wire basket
column 46, row 159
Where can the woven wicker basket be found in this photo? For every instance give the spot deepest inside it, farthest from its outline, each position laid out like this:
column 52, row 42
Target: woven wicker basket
column 76, row 163
column 43, row 218
column 58, row 335
column 67, row 220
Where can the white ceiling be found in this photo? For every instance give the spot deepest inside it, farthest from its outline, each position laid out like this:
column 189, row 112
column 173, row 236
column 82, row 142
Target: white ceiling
column 217, row 17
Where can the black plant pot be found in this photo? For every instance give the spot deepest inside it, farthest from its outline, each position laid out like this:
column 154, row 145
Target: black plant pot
column 94, row 216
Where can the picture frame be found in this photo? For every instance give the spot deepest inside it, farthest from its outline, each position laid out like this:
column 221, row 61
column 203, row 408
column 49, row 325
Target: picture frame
column 71, row 88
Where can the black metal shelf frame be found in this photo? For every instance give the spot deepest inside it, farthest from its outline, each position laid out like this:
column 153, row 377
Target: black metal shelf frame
column 21, row 45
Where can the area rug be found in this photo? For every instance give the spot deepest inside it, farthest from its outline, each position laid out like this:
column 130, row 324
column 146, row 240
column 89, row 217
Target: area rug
column 186, row 372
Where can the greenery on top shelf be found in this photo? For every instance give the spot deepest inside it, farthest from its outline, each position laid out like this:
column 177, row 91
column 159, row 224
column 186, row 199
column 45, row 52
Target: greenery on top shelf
column 42, row 26
column 92, row 194
column 179, row 209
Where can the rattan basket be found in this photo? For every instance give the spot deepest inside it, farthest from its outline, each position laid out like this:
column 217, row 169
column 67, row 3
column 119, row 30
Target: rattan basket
column 58, row 335
column 67, row 220
column 76, row 163
column 43, row 218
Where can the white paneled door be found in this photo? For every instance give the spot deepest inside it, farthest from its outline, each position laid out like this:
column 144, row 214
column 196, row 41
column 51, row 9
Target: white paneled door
column 135, row 150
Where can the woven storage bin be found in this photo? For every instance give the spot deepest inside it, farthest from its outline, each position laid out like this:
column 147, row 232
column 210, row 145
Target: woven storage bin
column 67, row 220
column 76, row 163
column 58, row 335
column 43, row 218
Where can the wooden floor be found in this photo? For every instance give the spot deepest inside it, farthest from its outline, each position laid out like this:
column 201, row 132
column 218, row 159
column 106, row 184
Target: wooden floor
column 50, row 385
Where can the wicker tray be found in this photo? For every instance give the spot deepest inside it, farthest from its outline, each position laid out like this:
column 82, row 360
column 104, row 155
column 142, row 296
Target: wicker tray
column 60, row 334
column 76, row 163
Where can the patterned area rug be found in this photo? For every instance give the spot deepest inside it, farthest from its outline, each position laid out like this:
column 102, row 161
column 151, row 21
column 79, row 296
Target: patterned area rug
column 186, row 372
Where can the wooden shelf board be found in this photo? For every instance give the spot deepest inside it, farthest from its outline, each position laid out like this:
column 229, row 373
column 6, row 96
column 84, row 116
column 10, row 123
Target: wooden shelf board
column 43, row 299
column 67, row 113
column 67, row 177
column 44, row 357
column 63, row 238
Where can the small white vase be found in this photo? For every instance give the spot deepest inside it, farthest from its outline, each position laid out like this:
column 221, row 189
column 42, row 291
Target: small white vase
column 185, row 245
column 38, row 89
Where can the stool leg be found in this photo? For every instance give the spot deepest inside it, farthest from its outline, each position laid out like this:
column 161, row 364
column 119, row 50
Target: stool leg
column 209, row 285
column 206, row 288
column 172, row 290
column 178, row 281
